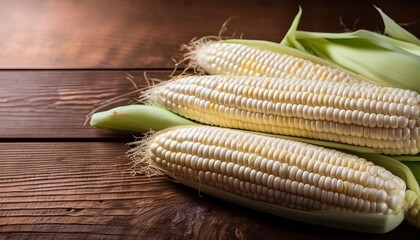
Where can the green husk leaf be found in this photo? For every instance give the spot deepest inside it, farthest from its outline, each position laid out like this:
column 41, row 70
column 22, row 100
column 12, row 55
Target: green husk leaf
column 415, row 169
column 396, row 31
column 137, row 119
column 289, row 39
column 407, row 158
column 371, row 60
column 377, row 38
column 367, row 53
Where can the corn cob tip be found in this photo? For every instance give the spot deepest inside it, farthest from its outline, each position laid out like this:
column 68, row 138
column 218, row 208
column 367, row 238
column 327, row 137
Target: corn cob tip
column 191, row 52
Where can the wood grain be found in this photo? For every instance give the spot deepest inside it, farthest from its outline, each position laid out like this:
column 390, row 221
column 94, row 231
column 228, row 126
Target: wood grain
column 84, row 190
column 53, row 104
column 146, row 34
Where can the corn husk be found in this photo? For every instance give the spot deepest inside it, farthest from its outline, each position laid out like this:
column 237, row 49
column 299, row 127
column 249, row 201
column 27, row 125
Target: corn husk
column 389, row 60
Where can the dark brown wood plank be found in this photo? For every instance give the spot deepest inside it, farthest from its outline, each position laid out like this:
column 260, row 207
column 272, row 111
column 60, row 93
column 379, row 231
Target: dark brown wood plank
column 84, row 190
column 53, row 104
column 146, row 34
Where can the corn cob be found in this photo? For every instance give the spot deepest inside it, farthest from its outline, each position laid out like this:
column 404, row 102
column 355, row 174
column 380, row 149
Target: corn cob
column 291, row 179
column 386, row 119
column 261, row 58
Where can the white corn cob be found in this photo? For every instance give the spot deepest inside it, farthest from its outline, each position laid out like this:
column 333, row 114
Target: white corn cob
column 260, row 58
column 383, row 118
column 292, row 179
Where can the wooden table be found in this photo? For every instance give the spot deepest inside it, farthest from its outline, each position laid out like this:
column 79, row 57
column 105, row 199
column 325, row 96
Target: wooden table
column 60, row 179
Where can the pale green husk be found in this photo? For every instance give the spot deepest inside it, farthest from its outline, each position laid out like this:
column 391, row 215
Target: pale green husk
column 415, row 169
column 407, row 158
column 137, row 119
column 394, row 30
column 389, row 60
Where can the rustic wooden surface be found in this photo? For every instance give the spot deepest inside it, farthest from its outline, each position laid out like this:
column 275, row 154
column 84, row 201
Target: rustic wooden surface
column 60, row 179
